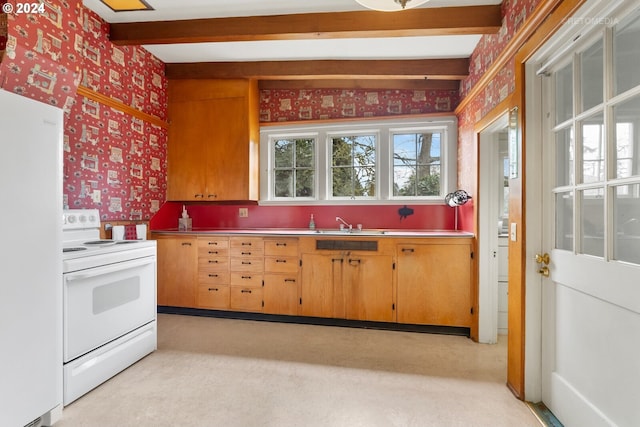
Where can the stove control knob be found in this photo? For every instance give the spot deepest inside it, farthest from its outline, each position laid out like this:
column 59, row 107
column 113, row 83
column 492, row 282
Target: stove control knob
column 71, row 219
column 83, row 219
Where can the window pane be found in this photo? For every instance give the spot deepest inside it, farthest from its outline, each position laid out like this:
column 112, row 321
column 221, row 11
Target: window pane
column 592, row 226
column 283, row 183
column 564, row 221
column 564, row 94
column 626, row 138
column 304, row 183
column 626, row 212
column 342, row 182
column 416, row 160
column 592, row 76
column 353, row 166
column 593, row 149
column 626, row 54
column 365, row 182
column 305, row 153
column 283, row 153
column 565, row 154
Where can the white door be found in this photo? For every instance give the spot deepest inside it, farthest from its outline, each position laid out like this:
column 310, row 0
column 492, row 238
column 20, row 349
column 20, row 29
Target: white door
column 591, row 219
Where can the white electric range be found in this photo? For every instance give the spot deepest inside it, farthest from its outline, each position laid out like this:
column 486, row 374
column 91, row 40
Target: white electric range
column 109, row 303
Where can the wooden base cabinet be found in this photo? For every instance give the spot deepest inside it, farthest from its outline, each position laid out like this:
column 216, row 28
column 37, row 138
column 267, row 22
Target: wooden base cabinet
column 214, row 278
column 247, row 268
column 177, row 271
column 434, row 283
column 281, row 276
column 344, row 284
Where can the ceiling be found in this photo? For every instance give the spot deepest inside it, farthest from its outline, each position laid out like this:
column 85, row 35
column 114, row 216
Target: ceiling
column 303, row 43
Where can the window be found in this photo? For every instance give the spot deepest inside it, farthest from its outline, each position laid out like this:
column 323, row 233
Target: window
column 353, row 166
column 385, row 161
column 416, row 164
column 294, row 167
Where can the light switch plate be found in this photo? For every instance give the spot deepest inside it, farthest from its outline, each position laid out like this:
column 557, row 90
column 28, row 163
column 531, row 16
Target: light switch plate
column 243, row 212
column 513, row 233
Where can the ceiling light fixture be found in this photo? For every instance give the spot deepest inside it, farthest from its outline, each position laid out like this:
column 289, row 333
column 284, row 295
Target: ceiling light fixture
column 391, row 5
column 127, row 5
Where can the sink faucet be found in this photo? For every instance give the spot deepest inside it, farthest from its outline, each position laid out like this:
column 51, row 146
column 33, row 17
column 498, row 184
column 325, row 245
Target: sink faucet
column 344, row 224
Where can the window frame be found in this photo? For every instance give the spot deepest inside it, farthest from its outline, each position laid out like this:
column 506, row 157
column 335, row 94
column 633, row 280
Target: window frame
column 384, row 129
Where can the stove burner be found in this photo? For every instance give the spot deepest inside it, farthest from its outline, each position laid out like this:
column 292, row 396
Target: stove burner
column 99, row 242
column 72, row 249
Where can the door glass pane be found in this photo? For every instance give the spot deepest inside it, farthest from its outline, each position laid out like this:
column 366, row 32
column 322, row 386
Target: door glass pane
column 593, row 149
column 564, row 221
column 626, row 212
column 626, row 54
column 564, row 93
column 626, row 117
column 592, row 224
column 592, row 76
column 565, row 155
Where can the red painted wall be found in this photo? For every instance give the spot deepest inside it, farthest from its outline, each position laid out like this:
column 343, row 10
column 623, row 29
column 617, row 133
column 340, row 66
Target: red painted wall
column 425, row 217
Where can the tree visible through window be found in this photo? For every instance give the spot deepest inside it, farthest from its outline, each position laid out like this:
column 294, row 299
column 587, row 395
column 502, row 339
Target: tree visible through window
column 416, row 164
column 294, row 167
column 353, row 166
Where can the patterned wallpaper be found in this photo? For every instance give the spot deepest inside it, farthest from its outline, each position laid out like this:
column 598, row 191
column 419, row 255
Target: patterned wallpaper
column 323, row 104
column 113, row 161
column 515, row 13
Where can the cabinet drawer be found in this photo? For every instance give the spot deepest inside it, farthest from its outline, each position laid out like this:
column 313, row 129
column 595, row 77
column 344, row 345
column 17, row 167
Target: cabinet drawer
column 281, row 247
column 246, row 299
column 213, row 277
column 281, row 264
column 214, row 263
column 247, row 246
column 213, row 242
column 213, row 297
column 247, row 264
column 246, row 280
column 209, row 252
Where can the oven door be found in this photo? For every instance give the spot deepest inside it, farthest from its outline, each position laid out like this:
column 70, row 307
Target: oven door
column 104, row 303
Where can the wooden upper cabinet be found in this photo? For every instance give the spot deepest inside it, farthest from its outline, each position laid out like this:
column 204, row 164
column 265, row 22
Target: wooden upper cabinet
column 213, row 148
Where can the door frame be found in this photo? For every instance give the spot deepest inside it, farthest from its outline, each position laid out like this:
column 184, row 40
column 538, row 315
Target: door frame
column 488, row 237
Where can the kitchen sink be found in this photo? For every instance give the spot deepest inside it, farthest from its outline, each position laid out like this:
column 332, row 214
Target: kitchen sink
column 363, row 232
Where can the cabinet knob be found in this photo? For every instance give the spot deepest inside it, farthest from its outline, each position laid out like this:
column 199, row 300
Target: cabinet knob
column 410, row 250
column 281, row 260
column 281, row 244
column 212, row 196
column 245, row 253
column 213, row 252
column 198, row 196
column 213, row 289
column 246, row 291
column 245, row 277
column 186, row 243
column 213, row 275
column 290, row 280
column 213, row 261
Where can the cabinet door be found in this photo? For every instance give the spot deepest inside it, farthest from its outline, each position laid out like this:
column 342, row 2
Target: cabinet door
column 368, row 287
column 185, row 153
column 227, row 154
column 177, row 271
column 320, row 272
column 281, row 294
column 434, row 284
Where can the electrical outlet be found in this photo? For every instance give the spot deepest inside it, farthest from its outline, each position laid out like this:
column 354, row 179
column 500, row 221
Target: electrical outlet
column 243, row 212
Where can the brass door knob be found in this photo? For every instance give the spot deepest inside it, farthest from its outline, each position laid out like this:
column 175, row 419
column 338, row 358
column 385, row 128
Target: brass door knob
column 544, row 271
column 543, row 259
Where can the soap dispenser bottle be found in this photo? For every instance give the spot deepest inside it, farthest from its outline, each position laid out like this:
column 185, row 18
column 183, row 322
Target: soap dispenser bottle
column 312, row 223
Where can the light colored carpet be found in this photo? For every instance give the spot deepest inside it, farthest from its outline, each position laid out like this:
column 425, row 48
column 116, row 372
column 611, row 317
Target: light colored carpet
column 225, row 372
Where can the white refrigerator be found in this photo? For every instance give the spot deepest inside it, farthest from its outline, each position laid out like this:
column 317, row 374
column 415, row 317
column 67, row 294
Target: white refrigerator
column 31, row 135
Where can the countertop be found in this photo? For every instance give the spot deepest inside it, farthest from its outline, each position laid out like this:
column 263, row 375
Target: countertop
column 315, row 233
